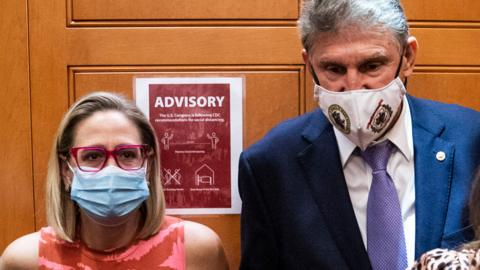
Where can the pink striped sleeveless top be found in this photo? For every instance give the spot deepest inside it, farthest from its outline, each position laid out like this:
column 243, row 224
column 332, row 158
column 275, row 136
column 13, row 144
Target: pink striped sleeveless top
column 164, row 250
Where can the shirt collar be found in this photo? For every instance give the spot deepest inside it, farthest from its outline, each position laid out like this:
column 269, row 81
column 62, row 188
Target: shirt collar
column 400, row 135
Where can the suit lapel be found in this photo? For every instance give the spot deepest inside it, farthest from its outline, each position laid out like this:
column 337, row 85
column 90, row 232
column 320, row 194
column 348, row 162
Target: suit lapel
column 433, row 176
column 322, row 166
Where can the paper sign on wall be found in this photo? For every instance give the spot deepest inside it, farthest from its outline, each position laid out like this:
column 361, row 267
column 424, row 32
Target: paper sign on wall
column 198, row 121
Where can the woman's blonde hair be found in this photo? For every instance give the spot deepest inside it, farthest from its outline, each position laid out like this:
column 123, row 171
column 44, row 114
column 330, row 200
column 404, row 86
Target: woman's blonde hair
column 62, row 212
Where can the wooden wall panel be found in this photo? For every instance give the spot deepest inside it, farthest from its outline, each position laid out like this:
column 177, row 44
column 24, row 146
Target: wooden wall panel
column 82, row 10
column 447, row 85
column 172, row 46
column 16, row 193
column 183, row 46
column 48, row 87
column 442, row 10
column 266, row 104
column 448, row 46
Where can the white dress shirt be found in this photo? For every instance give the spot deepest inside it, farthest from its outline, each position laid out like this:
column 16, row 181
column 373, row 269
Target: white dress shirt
column 400, row 167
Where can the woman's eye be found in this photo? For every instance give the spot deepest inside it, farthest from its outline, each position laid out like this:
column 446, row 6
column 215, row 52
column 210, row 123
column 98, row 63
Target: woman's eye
column 91, row 156
column 128, row 154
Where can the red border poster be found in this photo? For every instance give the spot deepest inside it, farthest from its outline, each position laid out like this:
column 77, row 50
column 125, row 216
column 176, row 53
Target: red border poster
column 197, row 129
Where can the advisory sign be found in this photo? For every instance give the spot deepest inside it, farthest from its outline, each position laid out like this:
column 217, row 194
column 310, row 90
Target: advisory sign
column 198, row 121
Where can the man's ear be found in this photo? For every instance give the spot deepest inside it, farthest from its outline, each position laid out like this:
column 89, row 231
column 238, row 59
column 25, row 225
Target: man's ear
column 66, row 173
column 308, row 66
column 409, row 56
column 305, row 59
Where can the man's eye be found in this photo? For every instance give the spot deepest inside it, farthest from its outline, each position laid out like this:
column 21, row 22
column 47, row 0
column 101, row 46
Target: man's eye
column 369, row 67
column 335, row 69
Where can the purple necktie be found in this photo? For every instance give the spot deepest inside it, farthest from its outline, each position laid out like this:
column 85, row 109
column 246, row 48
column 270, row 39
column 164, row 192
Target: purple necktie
column 385, row 237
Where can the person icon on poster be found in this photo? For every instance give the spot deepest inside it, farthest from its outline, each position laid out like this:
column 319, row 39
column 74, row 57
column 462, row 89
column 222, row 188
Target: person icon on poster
column 214, row 140
column 166, row 140
column 172, row 177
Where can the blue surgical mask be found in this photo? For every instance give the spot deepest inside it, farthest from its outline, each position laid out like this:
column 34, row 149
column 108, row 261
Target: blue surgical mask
column 110, row 195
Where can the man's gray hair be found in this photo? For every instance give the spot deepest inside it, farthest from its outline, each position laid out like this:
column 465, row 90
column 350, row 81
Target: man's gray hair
column 331, row 16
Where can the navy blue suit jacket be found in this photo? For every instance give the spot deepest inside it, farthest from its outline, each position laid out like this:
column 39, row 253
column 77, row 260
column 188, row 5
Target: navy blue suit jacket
column 297, row 212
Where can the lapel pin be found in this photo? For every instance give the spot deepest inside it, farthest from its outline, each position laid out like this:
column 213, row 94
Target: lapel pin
column 440, row 156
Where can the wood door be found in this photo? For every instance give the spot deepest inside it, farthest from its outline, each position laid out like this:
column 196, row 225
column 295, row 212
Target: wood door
column 79, row 46
column 61, row 49
column 16, row 182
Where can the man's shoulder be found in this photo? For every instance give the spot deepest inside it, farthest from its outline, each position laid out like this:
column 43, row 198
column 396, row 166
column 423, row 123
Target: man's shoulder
column 288, row 135
column 456, row 123
column 441, row 108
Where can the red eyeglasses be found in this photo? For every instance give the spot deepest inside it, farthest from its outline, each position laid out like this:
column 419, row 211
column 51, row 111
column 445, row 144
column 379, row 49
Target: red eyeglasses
column 93, row 159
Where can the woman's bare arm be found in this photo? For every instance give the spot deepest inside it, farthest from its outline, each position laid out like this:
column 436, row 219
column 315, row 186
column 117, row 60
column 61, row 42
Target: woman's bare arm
column 21, row 254
column 203, row 248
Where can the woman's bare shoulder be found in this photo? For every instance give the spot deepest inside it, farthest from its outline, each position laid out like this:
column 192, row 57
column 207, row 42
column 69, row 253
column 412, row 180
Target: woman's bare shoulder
column 204, row 249
column 21, row 254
